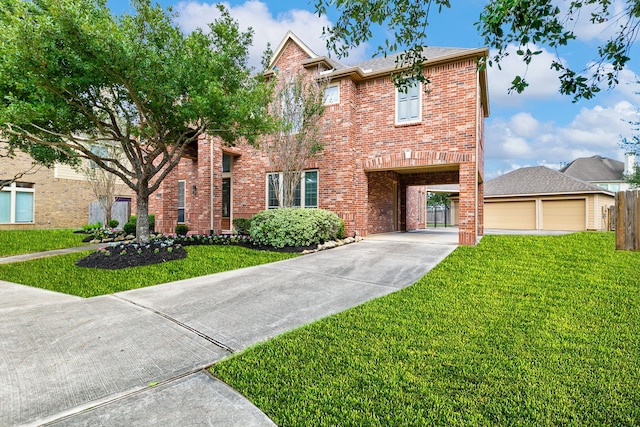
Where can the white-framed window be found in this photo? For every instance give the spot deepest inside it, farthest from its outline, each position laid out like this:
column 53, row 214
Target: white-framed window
column 100, row 151
column 16, row 203
column 181, row 200
column 332, row 95
column 409, row 104
column 308, row 186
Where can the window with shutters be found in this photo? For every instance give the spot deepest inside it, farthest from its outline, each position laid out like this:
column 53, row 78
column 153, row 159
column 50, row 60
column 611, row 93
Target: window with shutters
column 409, row 104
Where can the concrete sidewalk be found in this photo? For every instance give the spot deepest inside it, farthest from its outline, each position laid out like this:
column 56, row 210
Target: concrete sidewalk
column 138, row 357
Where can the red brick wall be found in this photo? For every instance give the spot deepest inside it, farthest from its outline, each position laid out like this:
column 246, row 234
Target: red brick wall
column 363, row 146
column 416, row 207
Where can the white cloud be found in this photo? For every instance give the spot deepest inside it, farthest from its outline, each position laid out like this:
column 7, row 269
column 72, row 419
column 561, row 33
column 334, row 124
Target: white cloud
column 267, row 27
column 522, row 140
column 585, row 30
column 543, row 81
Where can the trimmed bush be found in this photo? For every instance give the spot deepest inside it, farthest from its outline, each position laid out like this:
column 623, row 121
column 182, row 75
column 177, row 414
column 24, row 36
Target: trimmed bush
column 182, row 229
column 242, row 225
column 294, row 227
column 152, row 222
column 129, row 227
column 113, row 223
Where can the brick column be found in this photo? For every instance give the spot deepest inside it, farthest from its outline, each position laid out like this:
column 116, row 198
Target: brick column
column 467, row 218
column 402, row 207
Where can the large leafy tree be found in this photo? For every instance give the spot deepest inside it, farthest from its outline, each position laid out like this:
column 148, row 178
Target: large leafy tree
column 73, row 75
column 528, row 25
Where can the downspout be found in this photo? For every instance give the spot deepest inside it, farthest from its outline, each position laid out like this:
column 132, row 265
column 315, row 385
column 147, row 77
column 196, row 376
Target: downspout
column 478, row 112
column 210, row 185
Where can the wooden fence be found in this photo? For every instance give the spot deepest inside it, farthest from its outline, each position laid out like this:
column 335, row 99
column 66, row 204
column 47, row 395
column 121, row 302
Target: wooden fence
column 627, row 226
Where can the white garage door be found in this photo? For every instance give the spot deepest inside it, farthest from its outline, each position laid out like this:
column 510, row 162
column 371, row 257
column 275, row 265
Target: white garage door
column 564, row 215
column 516, row 215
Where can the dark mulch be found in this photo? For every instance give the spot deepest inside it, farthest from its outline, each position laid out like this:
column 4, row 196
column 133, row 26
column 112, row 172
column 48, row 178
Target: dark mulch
column 126, row 255
column 123, row 256
column 290, row 249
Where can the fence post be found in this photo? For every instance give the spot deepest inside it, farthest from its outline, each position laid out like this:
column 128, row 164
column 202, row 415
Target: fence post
column 627, row 226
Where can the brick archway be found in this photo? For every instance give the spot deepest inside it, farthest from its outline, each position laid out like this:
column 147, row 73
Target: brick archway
column 411, row 168
column 405, row 159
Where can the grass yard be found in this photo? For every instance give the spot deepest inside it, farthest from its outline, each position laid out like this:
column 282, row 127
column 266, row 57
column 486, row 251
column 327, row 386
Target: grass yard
column 60, row 274
column 520, row 330
column 17, row 242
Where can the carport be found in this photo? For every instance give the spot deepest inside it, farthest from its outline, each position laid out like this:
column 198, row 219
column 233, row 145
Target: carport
column 388, row 179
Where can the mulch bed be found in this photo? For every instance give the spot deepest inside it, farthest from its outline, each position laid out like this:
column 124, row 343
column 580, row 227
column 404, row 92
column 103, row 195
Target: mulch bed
column 132, row 255
column 123, row 256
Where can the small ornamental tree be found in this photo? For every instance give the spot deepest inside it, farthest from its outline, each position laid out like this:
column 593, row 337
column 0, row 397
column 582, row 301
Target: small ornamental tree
column 72, row 75
column 297, row 108
column 101, row 181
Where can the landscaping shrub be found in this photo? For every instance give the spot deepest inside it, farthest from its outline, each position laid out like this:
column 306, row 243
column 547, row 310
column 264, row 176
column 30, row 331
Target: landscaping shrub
column 129, row 227
column 91, row 227
column 242, row 225
column 182, row 229
column 341, row 230
column 294, row 227
column 113, row 223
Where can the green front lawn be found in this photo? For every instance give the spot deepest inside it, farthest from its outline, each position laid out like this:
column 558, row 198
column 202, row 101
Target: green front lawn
column 16, row 242
column 520, row 330
column 60, row 274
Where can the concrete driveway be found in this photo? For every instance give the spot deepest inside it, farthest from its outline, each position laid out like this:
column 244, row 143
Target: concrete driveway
column 138, row 357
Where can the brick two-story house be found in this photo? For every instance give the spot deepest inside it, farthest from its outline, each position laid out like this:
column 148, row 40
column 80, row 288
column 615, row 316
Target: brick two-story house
column 379, row 143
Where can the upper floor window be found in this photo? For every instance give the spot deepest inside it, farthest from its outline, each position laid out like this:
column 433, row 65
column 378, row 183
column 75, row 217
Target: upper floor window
column 332, row 95
column 409, row 104
column 100, row 151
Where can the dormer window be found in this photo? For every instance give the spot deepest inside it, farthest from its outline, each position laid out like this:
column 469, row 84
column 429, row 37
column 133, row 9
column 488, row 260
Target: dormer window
column 409, row 104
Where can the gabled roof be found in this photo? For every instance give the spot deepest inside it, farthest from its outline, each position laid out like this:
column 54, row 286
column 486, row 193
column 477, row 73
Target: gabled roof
column 428, row 52
column 378, row 67
column 287, row 37
column 538, row 180
column 595, row 169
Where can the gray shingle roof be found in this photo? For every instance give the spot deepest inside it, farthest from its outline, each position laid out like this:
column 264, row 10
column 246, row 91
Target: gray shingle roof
column 537, row 180
column 429, row 52
column 595, row 169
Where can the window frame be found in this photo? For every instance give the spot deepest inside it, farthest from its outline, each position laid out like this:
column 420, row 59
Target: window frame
column 24, row 188
column 399, row 94
column 324, row 96
column 184, row 201
column 301, row 186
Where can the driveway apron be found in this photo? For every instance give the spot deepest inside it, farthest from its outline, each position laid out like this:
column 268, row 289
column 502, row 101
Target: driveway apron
column 138, row 357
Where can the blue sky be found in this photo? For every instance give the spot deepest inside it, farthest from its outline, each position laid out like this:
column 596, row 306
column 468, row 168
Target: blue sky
column 538, row 127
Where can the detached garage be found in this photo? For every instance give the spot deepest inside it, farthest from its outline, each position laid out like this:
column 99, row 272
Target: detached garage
column 539, row 198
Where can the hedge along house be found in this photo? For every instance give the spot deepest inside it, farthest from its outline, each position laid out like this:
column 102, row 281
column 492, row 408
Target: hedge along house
column 379, row 142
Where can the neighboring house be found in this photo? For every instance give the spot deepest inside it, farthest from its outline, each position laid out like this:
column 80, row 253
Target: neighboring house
column 380, row 142
column 57, row 197
column 601, row 171
column 539, row 198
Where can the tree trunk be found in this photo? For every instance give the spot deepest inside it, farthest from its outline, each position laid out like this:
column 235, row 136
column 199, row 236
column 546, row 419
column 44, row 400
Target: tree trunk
column 142, row 215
